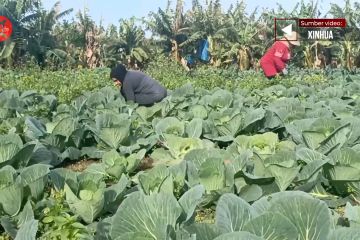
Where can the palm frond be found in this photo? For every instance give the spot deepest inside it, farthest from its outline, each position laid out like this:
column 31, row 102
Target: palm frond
column 31, row 17
column 64, row 13
column 7, row 49
column 193, row 38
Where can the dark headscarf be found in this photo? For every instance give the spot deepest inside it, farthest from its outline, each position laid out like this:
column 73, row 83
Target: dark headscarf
column 118, row 72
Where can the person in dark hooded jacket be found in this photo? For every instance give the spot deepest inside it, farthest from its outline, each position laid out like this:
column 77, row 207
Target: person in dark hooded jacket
column 137, row 86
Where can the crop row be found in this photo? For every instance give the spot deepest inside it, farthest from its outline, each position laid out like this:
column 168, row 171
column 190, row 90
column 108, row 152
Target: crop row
column 281, row 163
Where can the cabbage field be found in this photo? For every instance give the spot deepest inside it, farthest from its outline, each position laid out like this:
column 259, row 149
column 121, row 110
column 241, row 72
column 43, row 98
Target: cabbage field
column 282, row 163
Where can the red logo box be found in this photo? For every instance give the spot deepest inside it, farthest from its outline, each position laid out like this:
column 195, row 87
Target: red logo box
column 322, row 22
column 280, row 23
column 6, row 28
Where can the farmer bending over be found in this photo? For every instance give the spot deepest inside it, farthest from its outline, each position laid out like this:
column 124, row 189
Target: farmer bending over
column 275, row 59
column 137, row 87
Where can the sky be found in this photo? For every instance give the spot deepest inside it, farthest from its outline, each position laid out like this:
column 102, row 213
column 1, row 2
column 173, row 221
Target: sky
column 110, row 11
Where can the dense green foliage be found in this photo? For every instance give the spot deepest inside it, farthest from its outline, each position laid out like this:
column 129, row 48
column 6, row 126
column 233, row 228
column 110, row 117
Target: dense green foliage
column 234, row 35
column 67, row 84
column 277, row 163
column 227, row 155
column 173, row 76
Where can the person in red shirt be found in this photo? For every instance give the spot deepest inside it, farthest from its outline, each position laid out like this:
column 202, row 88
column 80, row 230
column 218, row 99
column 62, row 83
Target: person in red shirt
column 275, row 59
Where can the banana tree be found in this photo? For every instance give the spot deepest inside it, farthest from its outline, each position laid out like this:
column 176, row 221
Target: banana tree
column 71, row 41
column 248, row 29
column 349, row 53
column 169, row 28
column 7, row 49
column 211, row 24
column 21, row 14
column 313, row 55
column 349, row 47
column 42, row 41
column 89, row 48
column 128, row 45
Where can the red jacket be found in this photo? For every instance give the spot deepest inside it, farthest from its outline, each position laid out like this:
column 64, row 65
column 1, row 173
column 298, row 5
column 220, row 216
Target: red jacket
column 275, row 59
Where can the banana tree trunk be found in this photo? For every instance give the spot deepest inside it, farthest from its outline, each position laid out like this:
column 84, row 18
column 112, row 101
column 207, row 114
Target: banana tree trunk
column 309, row 57
column 347, row 56
column 7, row 51
column 175, row 51
column 175, row 54
column 212, row 51
column 244, row 59
column 357, row 61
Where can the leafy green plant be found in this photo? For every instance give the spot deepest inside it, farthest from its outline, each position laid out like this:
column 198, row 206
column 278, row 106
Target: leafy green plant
column 57, row 222
column 87, row 198
column 147, row 171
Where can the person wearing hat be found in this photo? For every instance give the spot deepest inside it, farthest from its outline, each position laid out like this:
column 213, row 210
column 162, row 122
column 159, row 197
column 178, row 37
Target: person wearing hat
column 137, row 86
column 275, row 60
